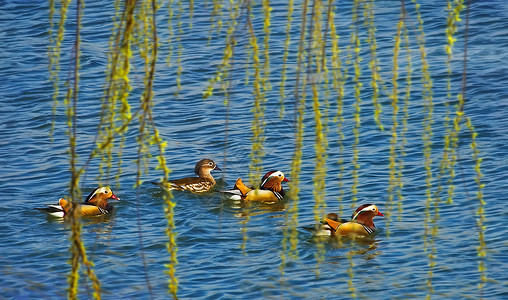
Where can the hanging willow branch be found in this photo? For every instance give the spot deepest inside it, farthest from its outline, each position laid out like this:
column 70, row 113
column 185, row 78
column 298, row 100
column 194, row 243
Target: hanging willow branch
column 339, row 76
column 368, row 7
column 315, row 61
column 296, row 162
column 481, row 218
column 135, row 32
column 392, row 182
column 430, row 233
column 77, row 249
column 54, row 50
column 287, row 42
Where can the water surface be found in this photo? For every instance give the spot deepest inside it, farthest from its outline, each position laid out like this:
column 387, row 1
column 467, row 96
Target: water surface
column 34, row 171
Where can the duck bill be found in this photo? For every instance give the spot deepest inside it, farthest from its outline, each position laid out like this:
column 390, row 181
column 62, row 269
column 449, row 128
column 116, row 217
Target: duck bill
column 380, row 214
column 217, row 168
column 113, row 196
column 285, row 179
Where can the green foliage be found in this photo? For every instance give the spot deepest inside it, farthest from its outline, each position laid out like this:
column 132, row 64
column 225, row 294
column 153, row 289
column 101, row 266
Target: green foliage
column 323, row 69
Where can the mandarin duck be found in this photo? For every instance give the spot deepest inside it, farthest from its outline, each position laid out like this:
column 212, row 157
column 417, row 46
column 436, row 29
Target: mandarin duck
column 203, row 183
column 361, row 223
column 95, row 204
column 270, row 189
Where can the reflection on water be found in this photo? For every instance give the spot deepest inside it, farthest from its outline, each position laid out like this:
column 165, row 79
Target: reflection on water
column 103, row 231
column 211, row 265
column 365, row 247
column 362, row 246
column 244, row 209
column 88, row 220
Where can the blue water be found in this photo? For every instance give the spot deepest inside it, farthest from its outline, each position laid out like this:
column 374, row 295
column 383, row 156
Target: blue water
column 34, row 171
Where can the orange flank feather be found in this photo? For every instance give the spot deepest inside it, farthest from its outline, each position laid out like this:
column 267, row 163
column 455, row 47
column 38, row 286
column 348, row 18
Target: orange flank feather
column 333, row 223
column 242, row 187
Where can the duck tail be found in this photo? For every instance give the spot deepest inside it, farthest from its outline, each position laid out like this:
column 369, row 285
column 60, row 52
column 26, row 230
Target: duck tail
column 56, row 210
column 159, row 184
column 234, row 194
column 167, row 185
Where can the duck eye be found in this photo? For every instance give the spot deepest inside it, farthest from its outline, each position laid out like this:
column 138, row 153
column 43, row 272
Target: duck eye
column 210, row 163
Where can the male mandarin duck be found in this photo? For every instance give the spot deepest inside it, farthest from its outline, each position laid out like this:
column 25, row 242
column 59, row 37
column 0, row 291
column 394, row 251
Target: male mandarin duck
column 203, row 183
column 270, row 189
column 361, row 223
column 95, row 204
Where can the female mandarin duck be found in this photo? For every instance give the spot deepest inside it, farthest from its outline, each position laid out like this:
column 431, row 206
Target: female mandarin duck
column 203, row 183
column 361, row 223
column 95, row 204
column 270, row 189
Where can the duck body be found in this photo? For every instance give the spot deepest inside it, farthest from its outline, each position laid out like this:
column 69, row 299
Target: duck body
column 95, row 204
column 193, row 184
column 270, row 189
column 204, row 183
column 361, row 223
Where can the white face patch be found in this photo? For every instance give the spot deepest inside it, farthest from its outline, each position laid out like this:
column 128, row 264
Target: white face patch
column 372, row 208
column 277, row 174
column 103, row 190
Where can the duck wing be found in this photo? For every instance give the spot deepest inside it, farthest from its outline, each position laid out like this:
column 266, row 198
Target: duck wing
column 193, row 184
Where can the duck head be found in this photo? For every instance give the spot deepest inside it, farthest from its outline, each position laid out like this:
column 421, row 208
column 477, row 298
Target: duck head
column 365, row 214
column 204, row 167
column 272, row 181
column 99, row 197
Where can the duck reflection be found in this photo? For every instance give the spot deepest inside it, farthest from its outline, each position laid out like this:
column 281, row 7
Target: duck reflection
column 348, row 247
column 248, row 209
column 85, row 221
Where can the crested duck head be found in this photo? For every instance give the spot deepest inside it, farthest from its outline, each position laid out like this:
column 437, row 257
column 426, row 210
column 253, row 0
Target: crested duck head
column 99, row 197
column 273, row 181
column 365, row 215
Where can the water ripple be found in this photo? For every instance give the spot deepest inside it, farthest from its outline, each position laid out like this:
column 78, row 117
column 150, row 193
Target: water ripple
column 209, row 229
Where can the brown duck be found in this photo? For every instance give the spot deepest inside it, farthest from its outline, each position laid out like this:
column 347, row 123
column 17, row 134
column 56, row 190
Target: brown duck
column 204, row 183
